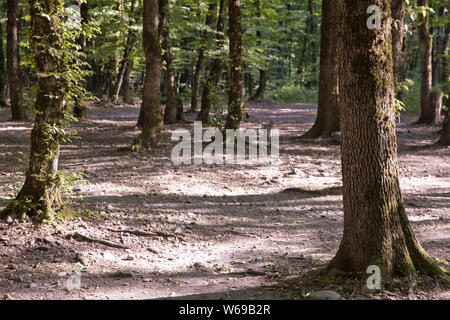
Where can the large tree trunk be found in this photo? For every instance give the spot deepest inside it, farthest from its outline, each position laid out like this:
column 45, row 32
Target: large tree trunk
column 80, row 108
column 210, row 20
column 236, row 94
column 40, row 196
column 174, row 105
column 15, row 85
column 259, row 94
column 327, row 120
column 376, row 227
column 152, row 114
column 215, row 72
column 2, row 71
column 425, row 44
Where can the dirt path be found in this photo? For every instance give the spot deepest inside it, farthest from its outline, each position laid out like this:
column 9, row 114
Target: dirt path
column 203, row 231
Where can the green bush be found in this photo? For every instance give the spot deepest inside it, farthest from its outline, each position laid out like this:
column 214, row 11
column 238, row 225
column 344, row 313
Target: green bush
column 290, row 93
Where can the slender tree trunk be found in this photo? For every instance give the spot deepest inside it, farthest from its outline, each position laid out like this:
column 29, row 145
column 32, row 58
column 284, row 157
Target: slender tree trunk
column 80, row 108
column 236, row 94
column 40, row 196
column 15, row 84
column 398, row 8
column 425, row 44
column 445, row 134
column 259, row 94
column 212, row 81
column 376, row 227
column 152, row 114
column 210, row 20
column 2, row 71
column 327, row 120
column 126, row 91
column 174, row 104
column 129, row 48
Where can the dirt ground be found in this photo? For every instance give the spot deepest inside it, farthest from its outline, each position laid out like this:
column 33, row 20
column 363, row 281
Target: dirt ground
column 209, row 231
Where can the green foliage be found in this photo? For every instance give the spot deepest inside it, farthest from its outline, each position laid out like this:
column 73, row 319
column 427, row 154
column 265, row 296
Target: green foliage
column 292, row 93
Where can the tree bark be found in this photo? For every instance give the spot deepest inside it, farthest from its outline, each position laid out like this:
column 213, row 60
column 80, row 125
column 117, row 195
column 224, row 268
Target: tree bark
column 40, row 196
column 425, row 44
column 126, row 91
column 444, row 140
column 259, row 94
column 80, row 108
column 376, row 227
column 212, row 81
column 2, row 71
column 210, row 20
column 174, row 105
column 398, row 8
column 327, row 120
column 152, row 114
column 15, row 84
column 236, row 93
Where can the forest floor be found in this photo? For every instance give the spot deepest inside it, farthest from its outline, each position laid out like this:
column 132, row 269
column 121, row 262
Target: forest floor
column 209, row 231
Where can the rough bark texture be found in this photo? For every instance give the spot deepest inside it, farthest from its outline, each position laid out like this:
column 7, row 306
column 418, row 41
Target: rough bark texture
column 15, row 85
column 174, row 105
column 2, row 70
column 80, row 108
column 212, row 81
column 425, row 44
column 210, row 21
column 327, row 120
column 40, row 196
column 152, row 114
column 376, row 227
column 236, row 93
column 127, row 91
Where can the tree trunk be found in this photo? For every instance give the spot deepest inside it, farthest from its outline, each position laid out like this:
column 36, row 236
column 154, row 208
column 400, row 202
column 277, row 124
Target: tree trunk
column 152, row 114
column 2, row 71
column 212, row 81
column 173, row 104
column 426, row 116
column 210, row 20
column 327, row 120
column 236, row 93
column 129, row 48
column 40, row 196
column 445, row 134
column 126, row 91
column 80, row 108
column 259, row 94
column 398, row 8
column 376, row 227
column 15, row 84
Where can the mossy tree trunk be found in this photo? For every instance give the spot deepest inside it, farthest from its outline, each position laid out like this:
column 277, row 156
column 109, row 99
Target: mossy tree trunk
column 15, row 85
column 40, row 196
column 327, row 120
column 444, row 140
column 174, row 105
column 236, row 93
column 210, row 85
column 376, row 227
column 151, row 119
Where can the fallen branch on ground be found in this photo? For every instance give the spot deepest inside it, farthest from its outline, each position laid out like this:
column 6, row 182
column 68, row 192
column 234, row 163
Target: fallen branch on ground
column 82, row 237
